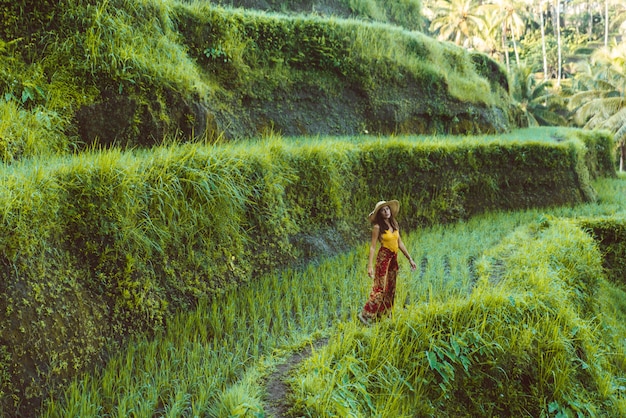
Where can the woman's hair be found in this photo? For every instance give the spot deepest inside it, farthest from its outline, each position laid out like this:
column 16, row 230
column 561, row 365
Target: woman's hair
column 383, row 225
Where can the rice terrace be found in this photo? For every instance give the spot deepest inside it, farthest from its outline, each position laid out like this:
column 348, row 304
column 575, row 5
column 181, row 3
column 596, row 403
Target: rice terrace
column 184, row 199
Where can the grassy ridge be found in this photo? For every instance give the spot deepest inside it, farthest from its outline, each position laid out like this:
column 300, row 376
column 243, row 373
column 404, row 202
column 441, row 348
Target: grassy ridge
column 132, row 72
column 213, row 361
column 406, row 13
column 530, row 339
column 131, row 238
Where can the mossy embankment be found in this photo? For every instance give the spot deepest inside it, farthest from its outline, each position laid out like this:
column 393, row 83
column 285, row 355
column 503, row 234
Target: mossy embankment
column 133, row 73
column 108, row 244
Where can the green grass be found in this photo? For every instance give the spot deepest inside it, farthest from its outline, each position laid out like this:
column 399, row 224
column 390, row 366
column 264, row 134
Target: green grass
column 30, row 133
column 212, row 361
column 168, row 54
column 135, row 237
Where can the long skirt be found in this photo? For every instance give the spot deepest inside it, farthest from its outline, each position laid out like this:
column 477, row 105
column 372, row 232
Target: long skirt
column 383, row 290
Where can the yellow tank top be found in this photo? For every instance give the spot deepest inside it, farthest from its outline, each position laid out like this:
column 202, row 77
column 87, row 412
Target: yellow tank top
column 390, row 240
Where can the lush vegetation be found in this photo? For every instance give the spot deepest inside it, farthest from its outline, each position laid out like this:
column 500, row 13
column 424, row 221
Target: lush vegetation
column 526, row 341
column 136, row 73
column 566, row 64
column 215, row 63
column 509, row 311
column 129, row 196
column 406, row 13
column 128, row 239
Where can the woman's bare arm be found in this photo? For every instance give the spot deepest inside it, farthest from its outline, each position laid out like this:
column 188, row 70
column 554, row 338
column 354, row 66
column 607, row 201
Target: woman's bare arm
column 406, row 253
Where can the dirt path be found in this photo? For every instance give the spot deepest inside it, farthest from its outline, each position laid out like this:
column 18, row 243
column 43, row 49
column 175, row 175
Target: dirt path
column 277, row 389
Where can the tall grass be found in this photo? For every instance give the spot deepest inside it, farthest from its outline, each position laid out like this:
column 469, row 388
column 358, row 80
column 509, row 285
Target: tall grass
column 193, row 366
column 213, row 361
column 470, row 343
column 197, row 68
column 121, row 38
column 30, row 133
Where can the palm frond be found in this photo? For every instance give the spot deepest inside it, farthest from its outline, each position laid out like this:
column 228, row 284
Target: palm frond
column 579, row 99
column 532, row 120
column 546, row 117
column 540, row 93
column 613, row 105
column 617, row 123
column 584, row 82
column 596, row 113
column 605, row 85
column 601, row 55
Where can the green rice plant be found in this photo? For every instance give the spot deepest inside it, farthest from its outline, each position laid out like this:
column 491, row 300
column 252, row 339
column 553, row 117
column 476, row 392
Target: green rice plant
column 174, row 204
column 224, row 355
column 350, row 332
column 451, row 335
column 443, row 358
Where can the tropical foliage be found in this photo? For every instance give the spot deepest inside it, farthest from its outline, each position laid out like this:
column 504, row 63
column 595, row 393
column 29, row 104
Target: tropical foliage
column 600, row 98
column 170, row 264
column 538, row 101
column 550, row 43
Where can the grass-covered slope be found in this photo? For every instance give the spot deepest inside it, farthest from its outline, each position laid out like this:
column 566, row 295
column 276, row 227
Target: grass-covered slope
column 221, row 359
column 104, row 245
column 404, row 13
column 135, row 72
column 535, row 337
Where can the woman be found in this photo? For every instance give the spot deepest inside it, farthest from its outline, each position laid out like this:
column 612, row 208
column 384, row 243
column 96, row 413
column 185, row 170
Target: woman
column 385, row 229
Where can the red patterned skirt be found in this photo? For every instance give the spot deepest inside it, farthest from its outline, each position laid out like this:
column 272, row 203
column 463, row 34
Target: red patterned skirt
column 383, row 290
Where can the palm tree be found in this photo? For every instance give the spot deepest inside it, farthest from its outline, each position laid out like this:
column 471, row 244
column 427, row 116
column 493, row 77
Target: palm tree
column 512, row 22
column 606, row 23
column 601, row 103
column 538, row 103
column 557, row 20
column 618, row 9
column 486, row 37
column 456, row 20
column 590, row 29
column 543, row 41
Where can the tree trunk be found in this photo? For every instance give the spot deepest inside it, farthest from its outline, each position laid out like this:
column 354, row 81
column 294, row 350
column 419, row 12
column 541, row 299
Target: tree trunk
column 505, row 47
column 514, row 44
column 557, row 13
column 543, row 42
column 590, row 28
column 606, row 23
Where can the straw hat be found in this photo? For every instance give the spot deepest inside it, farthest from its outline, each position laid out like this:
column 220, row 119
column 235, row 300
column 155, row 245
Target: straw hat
column 394, row 205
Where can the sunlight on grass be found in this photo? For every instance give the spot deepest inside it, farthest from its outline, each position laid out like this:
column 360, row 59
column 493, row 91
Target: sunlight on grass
column 210, row 361
column 125, row 40
column 479, row 353
column 30, row 133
